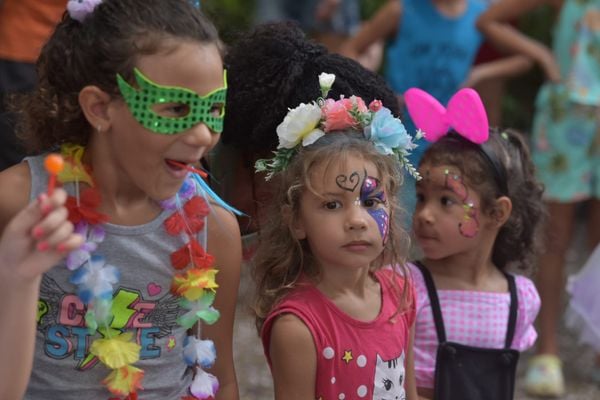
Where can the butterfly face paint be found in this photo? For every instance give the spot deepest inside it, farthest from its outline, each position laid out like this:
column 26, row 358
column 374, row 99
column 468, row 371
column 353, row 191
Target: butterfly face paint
column 469, row 226
column 208, row 109
column 371, row 196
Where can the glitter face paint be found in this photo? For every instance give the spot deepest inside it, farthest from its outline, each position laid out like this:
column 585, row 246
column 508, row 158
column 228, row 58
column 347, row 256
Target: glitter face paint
column 469, row 226
column 372, row 188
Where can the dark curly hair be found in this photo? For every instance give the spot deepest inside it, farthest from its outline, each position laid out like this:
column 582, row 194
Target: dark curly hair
column 108, row 42
column 275, row 68
column 519, row 240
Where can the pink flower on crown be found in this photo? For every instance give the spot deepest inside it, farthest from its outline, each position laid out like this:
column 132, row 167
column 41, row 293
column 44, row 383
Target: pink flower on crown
column 354, row 102
column 337, row 113
column 375, row 105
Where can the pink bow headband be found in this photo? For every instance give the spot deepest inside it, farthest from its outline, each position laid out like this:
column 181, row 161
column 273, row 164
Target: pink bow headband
column 465, row 114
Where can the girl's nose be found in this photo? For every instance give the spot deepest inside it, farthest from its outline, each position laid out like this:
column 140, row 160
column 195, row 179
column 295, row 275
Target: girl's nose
column 198, row 135
column 356, row 219
column 424, row 214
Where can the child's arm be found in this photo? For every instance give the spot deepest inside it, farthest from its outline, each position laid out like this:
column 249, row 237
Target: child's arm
column 293, row 359
column 225, row 244
column 493, row 24
column 380, row 27
column 326, row 9
column 503, row 68
column 410, row 383
column 32, row 242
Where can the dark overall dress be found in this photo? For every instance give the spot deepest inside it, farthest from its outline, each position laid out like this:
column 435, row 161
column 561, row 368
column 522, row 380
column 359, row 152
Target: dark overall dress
column 473, row 373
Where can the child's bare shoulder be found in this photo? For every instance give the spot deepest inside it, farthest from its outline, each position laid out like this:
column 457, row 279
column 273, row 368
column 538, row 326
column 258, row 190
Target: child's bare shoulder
column 222, row 222
column 15, row 188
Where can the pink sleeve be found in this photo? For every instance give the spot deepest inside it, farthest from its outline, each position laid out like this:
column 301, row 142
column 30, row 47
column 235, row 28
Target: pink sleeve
column 529, row 306
column 419, row 288
column 424, row 350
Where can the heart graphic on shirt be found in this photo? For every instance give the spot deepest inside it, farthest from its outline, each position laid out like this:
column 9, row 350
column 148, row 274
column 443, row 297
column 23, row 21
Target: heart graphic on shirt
column 154, row 289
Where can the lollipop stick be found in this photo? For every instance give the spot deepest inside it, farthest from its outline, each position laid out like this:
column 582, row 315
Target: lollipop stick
column 189, row 168
column 51, row 184
column 53, row 163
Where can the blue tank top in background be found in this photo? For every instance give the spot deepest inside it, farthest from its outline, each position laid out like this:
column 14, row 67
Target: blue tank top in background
column 434, row 53
column 431, row 51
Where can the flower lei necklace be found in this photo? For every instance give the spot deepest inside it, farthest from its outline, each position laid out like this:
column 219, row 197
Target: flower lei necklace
column 193, row 282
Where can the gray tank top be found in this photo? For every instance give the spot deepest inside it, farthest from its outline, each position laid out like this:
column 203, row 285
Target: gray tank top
column 142, row 303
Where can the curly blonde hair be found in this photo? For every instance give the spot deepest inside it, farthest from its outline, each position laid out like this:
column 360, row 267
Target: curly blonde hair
column 281, row 259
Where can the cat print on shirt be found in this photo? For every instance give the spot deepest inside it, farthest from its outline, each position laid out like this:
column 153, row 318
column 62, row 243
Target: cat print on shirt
column 389, row 379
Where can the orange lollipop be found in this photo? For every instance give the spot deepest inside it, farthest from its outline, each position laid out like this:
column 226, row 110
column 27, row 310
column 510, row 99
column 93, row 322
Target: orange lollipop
column 53, row 163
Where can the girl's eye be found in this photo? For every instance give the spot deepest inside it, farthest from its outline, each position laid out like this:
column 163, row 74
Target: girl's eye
column 173, row 110
column 420, row 198
column 332, row 205
column 372, row 202
column 447, row 201
column 217, row 110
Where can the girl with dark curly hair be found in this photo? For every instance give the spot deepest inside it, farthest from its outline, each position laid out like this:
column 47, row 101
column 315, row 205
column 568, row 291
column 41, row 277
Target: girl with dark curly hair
column 479, row 212
column 131, row 94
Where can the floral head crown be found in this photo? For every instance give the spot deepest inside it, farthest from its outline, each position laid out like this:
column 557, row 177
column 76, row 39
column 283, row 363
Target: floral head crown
column 305, row 124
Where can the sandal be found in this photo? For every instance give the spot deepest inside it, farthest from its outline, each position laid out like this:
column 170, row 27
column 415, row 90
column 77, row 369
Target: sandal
column 544, row 376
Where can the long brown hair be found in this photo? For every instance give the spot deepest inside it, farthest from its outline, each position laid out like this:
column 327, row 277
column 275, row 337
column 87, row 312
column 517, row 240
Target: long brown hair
column 281, row 259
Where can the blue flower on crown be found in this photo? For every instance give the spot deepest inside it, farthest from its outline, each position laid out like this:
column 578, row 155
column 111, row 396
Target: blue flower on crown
column 387, row 132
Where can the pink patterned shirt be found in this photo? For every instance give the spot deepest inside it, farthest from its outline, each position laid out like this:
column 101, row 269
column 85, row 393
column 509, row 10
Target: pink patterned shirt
column 471, row 318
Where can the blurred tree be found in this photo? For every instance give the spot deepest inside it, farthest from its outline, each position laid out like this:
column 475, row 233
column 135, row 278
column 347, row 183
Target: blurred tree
column 230, row 16
column 518, row 104
column 368, row 7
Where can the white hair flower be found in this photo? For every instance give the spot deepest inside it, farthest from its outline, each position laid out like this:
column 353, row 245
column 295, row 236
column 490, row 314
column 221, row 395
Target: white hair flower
column 326, row 82
column 300, row 125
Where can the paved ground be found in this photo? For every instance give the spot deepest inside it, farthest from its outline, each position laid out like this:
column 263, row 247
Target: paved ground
column 255, row 379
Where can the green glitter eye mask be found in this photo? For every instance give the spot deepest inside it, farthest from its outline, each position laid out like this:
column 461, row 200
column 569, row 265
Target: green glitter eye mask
column 188, row 107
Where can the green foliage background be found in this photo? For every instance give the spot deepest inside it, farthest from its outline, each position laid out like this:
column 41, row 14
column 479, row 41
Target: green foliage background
column 233, row 17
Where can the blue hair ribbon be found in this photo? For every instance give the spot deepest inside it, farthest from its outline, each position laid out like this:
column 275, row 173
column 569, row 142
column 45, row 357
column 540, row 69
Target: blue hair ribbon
column 215, row 196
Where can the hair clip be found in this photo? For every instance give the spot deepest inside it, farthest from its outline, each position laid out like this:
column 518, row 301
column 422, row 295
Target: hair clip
column 79, row 10
column 465, row 114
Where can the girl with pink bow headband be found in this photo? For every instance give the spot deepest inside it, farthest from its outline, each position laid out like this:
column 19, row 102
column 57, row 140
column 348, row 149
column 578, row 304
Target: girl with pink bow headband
column 471, row 222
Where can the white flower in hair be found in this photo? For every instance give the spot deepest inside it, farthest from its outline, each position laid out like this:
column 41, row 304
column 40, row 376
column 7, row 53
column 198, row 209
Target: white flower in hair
column 300, row 125
column 326, row 82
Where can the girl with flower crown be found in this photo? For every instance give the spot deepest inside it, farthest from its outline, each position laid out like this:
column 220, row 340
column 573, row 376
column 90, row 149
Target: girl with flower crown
column 131, row 94
column 326, row 306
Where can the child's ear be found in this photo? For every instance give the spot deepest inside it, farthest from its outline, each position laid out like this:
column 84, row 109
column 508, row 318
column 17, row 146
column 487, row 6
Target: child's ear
column 296, row 226
column 94, row 103
column 501, row 211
